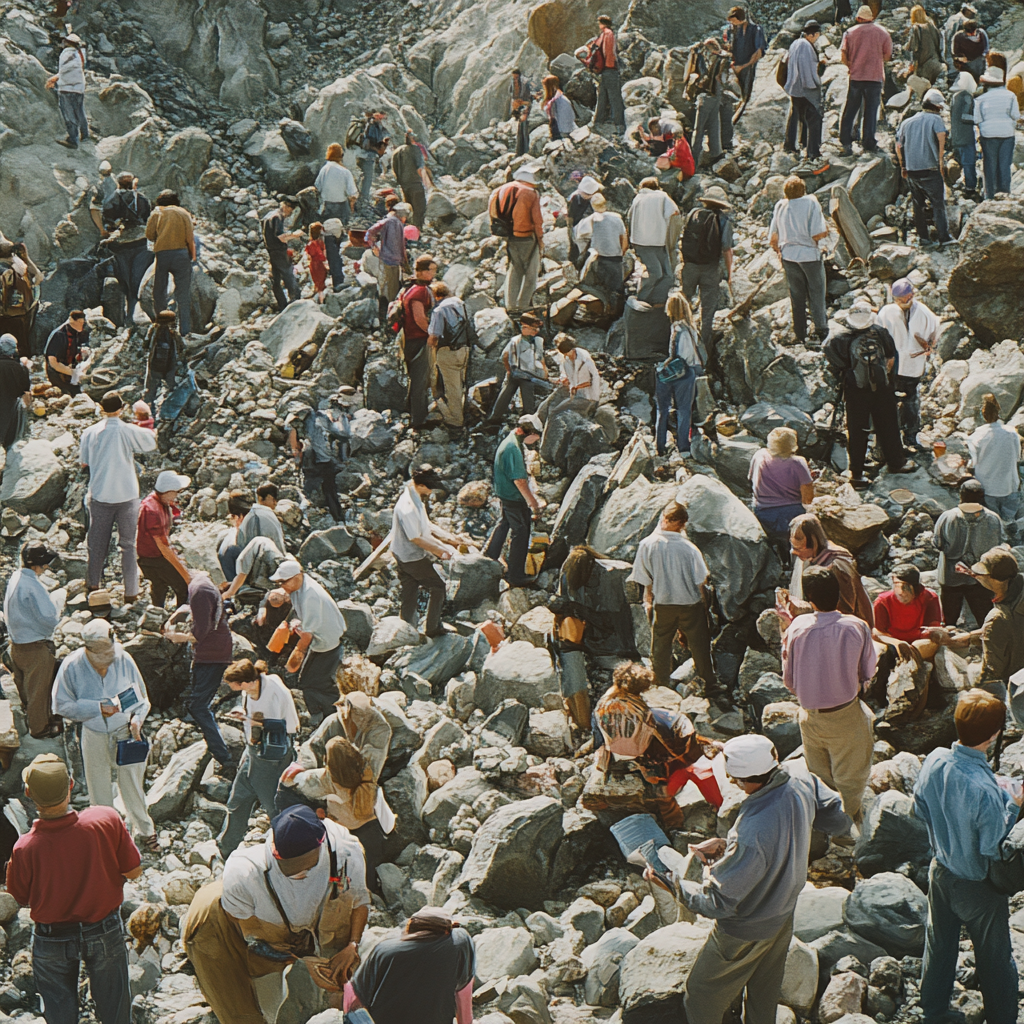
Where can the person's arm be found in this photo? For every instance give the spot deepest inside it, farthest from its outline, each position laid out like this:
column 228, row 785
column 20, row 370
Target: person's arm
column 67, row 703
column 941, row 136
column 995, row 655
column 806, row 493
column 843, row 55
column 868, row 657
column 734, row 877
column 419, row 315
column 649, row 598
column 171, row 555
column 293, row 443
column 190, row 241
column 340, row 965
column 59, row 366
column 728, row 264
column 34, row 271
column 624, row 240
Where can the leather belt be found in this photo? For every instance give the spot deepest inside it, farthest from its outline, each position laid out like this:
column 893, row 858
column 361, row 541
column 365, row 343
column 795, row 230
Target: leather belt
column 838, row 707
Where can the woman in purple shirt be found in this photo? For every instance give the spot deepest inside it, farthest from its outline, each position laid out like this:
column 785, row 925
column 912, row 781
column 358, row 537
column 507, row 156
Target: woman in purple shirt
column 781, row 481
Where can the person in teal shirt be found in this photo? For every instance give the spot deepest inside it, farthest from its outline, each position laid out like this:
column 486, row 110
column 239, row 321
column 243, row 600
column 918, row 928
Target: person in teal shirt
column 512, row 487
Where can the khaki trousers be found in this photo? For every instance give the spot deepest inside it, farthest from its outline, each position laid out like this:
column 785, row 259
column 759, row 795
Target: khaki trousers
column 726, row 966
column 451, row 368
column 35, row 666
column 837, row 747
column 691, row 619
column 99, row 752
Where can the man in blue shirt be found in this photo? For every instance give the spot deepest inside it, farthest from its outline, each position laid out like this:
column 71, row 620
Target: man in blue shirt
column 920, row 144
column 746, row 42
column 968, row 814
column 512, row 487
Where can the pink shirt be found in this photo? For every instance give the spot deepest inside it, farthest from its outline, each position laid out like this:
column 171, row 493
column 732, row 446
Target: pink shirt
column 826, row 658
column 867, row 47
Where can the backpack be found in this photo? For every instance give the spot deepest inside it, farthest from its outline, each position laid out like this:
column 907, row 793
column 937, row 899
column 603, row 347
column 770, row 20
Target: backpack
column 595, row 56
column 16, row 298
column 867, row 358
column 356, row 131
column 459, row 335
column 782, row 70
column 701, row 242
column 161, row 356
column 395, row 319
column 501, row 222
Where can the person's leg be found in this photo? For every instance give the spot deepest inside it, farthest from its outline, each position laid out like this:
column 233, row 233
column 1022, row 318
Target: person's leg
column 764, row 986
column 646, row 255
column 34, row 670
column 615, row 97
column 690, row 280
column 530, row 275
column 952, row 600
column 131, row 780
column 797, row 282
column 941, row 946
column 333, row 247
column 371, row 836
column 684, row 392
column 140, row 264
column 452, row 368
column 664, row 625
column 663, row 263
column 496, row 543
column 968, row 159
column 602, row 112
column 101, row 525
column 725, row 112
column 792, row 125
column 887, row 427
column 515, row 274
column 410, row 592
column 986, row 915
column 417, row 366
column 504, row 399
column 850, row 749
column 858, row 426
column 910, row 408
column 692, row 622
column 127, row 518
column 522, row 138
column 316, row 681
column 746, row 80
column 55, row 966
column 416, row 576
column 528, row 396
column 814, row 276
column 701, row 121
column 151, row 570
column 719, row 974
column 920, row 200
column 241, row 801
column 181, row 270
column 98, row 764
column 714, row 128
column 935, row 188
column 872, row 99
column 854, row 98
column 710, row 278
column 206, row 679
column 367, row 165
column 663, row 394
column 106, row 962
column 812, row 116
column 275, row 285
column 989, row 156
column 518, row 514
column 1004, row 165
column 816, row 746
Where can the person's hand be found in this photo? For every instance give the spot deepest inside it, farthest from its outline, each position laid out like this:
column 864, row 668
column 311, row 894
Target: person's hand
column 939, row 636
column 710, row 850
column 136, row 729
column 650, row 875
column 432, row 342
column 261, row 616
column 51, row 81
column 649, row 608
column 108, row 710
column 236, row 715
column 905, row 650
column 445, row 555
column 375, row 250
column 963, row 569
column 341, row 964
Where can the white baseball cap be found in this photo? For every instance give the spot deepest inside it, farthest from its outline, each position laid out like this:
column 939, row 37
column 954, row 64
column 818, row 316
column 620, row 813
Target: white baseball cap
column 749, row 756
column 286, row 570
column 525, row 173
column 96, row 629
column 168, row 480
column 935, row 98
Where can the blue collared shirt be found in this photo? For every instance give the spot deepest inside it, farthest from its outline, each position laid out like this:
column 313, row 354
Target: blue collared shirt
column 29, row 609
column 965, row 811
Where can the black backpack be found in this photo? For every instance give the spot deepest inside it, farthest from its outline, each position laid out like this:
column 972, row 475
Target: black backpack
column 868, row 359
column 460, row 334
column 501, row 222
column 162, row 355
column 701, row 242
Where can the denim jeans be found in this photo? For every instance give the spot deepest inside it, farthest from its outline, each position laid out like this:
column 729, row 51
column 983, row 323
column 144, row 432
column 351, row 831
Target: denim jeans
column 954, row 902
column 56, row 963
column 998, row 157
column 804, row 114
column 340, row 210
column 869, row 94
column 776, row 519
column 713, row 120
column 515, row 517
column 968, row 157
column 368, row 165
column 176, row 263
column 154, row 381
column 131, row 261
column 72, row 109
column 928, row 189
column 205, row 681
column 256, row 782
column 333, row 247
column 681, row 392
column 1005, row 507
column 609, row 99
column 227, row 558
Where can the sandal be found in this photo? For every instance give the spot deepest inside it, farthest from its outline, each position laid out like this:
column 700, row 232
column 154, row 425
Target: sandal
column 149, row 844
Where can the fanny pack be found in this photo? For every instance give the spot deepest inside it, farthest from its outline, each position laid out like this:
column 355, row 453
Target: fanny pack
column 274, row 740
column 673, row 369
column 132, row 752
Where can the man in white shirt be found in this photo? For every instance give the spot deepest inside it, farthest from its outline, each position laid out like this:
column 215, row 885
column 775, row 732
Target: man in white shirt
column 412, row 540
column 609, row 240
column 915, row 330
column 996, row 451
column 108, row 451
column 337, row 186
column 320, row 627
column 650, row 228
column 31, row 615
column 261, row 520
column 578, row 386
column 255, row 565
column 673, row 573
column 523, row 357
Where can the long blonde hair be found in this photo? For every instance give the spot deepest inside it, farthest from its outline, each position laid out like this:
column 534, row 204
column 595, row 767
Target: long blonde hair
column 678, row 310
column 919, row 16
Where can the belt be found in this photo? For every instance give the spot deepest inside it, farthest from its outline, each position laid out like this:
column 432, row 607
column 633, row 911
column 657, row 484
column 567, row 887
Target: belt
column 838, row 707
column 75, row 927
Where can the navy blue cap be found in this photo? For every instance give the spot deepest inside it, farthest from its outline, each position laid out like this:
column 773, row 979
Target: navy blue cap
column 297, row 831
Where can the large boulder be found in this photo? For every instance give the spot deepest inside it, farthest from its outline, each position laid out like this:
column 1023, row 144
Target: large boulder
column 603, row 961
column 852, row 526
column 654, row 972
column 763, row 417
column 730, row 538
column 511, row 861
column 576, row 509
column 522, row 671
column 168, row 795
column 477, row 577
column 34, row 479
column 985, row 285
column 629, row 515
column 282, row 170
column 819, row 911
column 999, row 371
column 503, row 952
column 159, row 159
column 890, row 910
column 295, row 327
column 438, row 659
column 873, row 185
column 800, row 982
column 570, row 441
column 891, row 835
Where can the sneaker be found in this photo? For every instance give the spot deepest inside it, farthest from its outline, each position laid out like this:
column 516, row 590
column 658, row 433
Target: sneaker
column 67, row 143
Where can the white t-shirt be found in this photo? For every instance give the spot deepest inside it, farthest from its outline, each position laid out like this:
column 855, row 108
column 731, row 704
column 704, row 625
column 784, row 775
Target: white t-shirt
column 797, row 221
column 526, row 354
column 672, row 566
column 649, row 217
column 275, row 701
column 408, row 522
column 923, row 321
column 319, row 614
column 581, row 368
column 995, row 451
column 108, row 449
column 245, row 890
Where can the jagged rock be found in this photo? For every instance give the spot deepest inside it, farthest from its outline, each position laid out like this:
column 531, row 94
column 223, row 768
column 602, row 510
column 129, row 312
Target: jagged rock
column 167, row 796
column 999, row 371
column 299, row 324
column 890, row 910
column 570, row 441
column 781, row 724
column 477, row 577
column 384, row 387
column 164, row 665
column 889, row 262
column 520, row 670
column 506, row 725
column 844, row 995
column 603, row 961
column 873, row 185
column 534, row 626
column 854, row 527
column 850, row 223
column 345, row 352
column 548, row 735
column 819, row 911
column 438, row 659
column 577, row 507
column 763, row 417
column 800, row 982
column 512, row 857
column 503, row 952
column 321, row 545
column 628, row 515
column 391, row 634
column 899, row 773
column 834, row 945
column 891, row 835
column 33, row 478
column 653, row 972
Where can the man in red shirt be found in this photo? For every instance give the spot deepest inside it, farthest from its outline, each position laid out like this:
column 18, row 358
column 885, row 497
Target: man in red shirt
column 158, row 561
column 864, row 50
column 417, row 301
column 69, row 870
column 609, row 90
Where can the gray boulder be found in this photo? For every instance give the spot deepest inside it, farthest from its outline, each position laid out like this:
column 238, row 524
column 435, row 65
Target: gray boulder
column 322, row 545
column 730, row 538
column 781, row 724
column 384, row 388
column 359, row 622
column 603, row 961
column 391, row 634
column 873, row 185
column 891, row 836
column 576, row 508
column 819, row 911
column 370, row 433
column 890, row 910
column 441, row 805
column 503, row 952
column 438, row 659
column 769, row 689
column 519, row 670
column 654, row 972
column 477, row 579
column 763, row 417
column 297, row 325
column 344, row 351
column 570, row 441
column 167, row 796
column 506, row 725
column 33, row 480
column 834, row 945
column 732, row 457
column 629, row 515
column 511, row 860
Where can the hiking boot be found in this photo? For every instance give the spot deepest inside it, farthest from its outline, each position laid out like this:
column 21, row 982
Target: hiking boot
column 847, row 150
column 67, row 143
column 910, row 466
column 860, row 483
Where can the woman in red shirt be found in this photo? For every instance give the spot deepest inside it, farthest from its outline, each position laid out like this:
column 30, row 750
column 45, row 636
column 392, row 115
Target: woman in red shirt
column 908, row 617
column 316, row 253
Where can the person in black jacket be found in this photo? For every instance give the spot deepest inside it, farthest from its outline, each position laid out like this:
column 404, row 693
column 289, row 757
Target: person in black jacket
column 863, row 358
column 125, row 215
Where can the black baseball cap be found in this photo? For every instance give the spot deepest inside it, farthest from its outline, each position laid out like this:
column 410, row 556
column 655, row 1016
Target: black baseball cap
column 36, row 554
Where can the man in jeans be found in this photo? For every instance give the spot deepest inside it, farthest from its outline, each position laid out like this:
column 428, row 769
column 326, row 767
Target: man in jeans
column 169, row 228
column 864, row 50
column 673, row 573
column 108, row 451
column 70, row 83
column 375, row 142
column 609, row 89
column 653, row 219
column 158, row 561
column 69, row 870
column 276, row 240
column 512, row 488
column 32, row 615
column 920, row 143
column 210, row 637
column 968, row 815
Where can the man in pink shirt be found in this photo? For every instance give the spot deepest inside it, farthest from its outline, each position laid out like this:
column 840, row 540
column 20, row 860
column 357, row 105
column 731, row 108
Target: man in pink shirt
column 864, row 50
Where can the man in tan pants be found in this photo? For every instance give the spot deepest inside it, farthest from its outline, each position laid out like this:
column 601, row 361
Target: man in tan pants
column 828, row 658
column 450, row 342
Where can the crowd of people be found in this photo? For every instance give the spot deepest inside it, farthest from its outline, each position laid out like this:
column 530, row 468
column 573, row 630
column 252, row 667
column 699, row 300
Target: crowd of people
column 313, row 752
